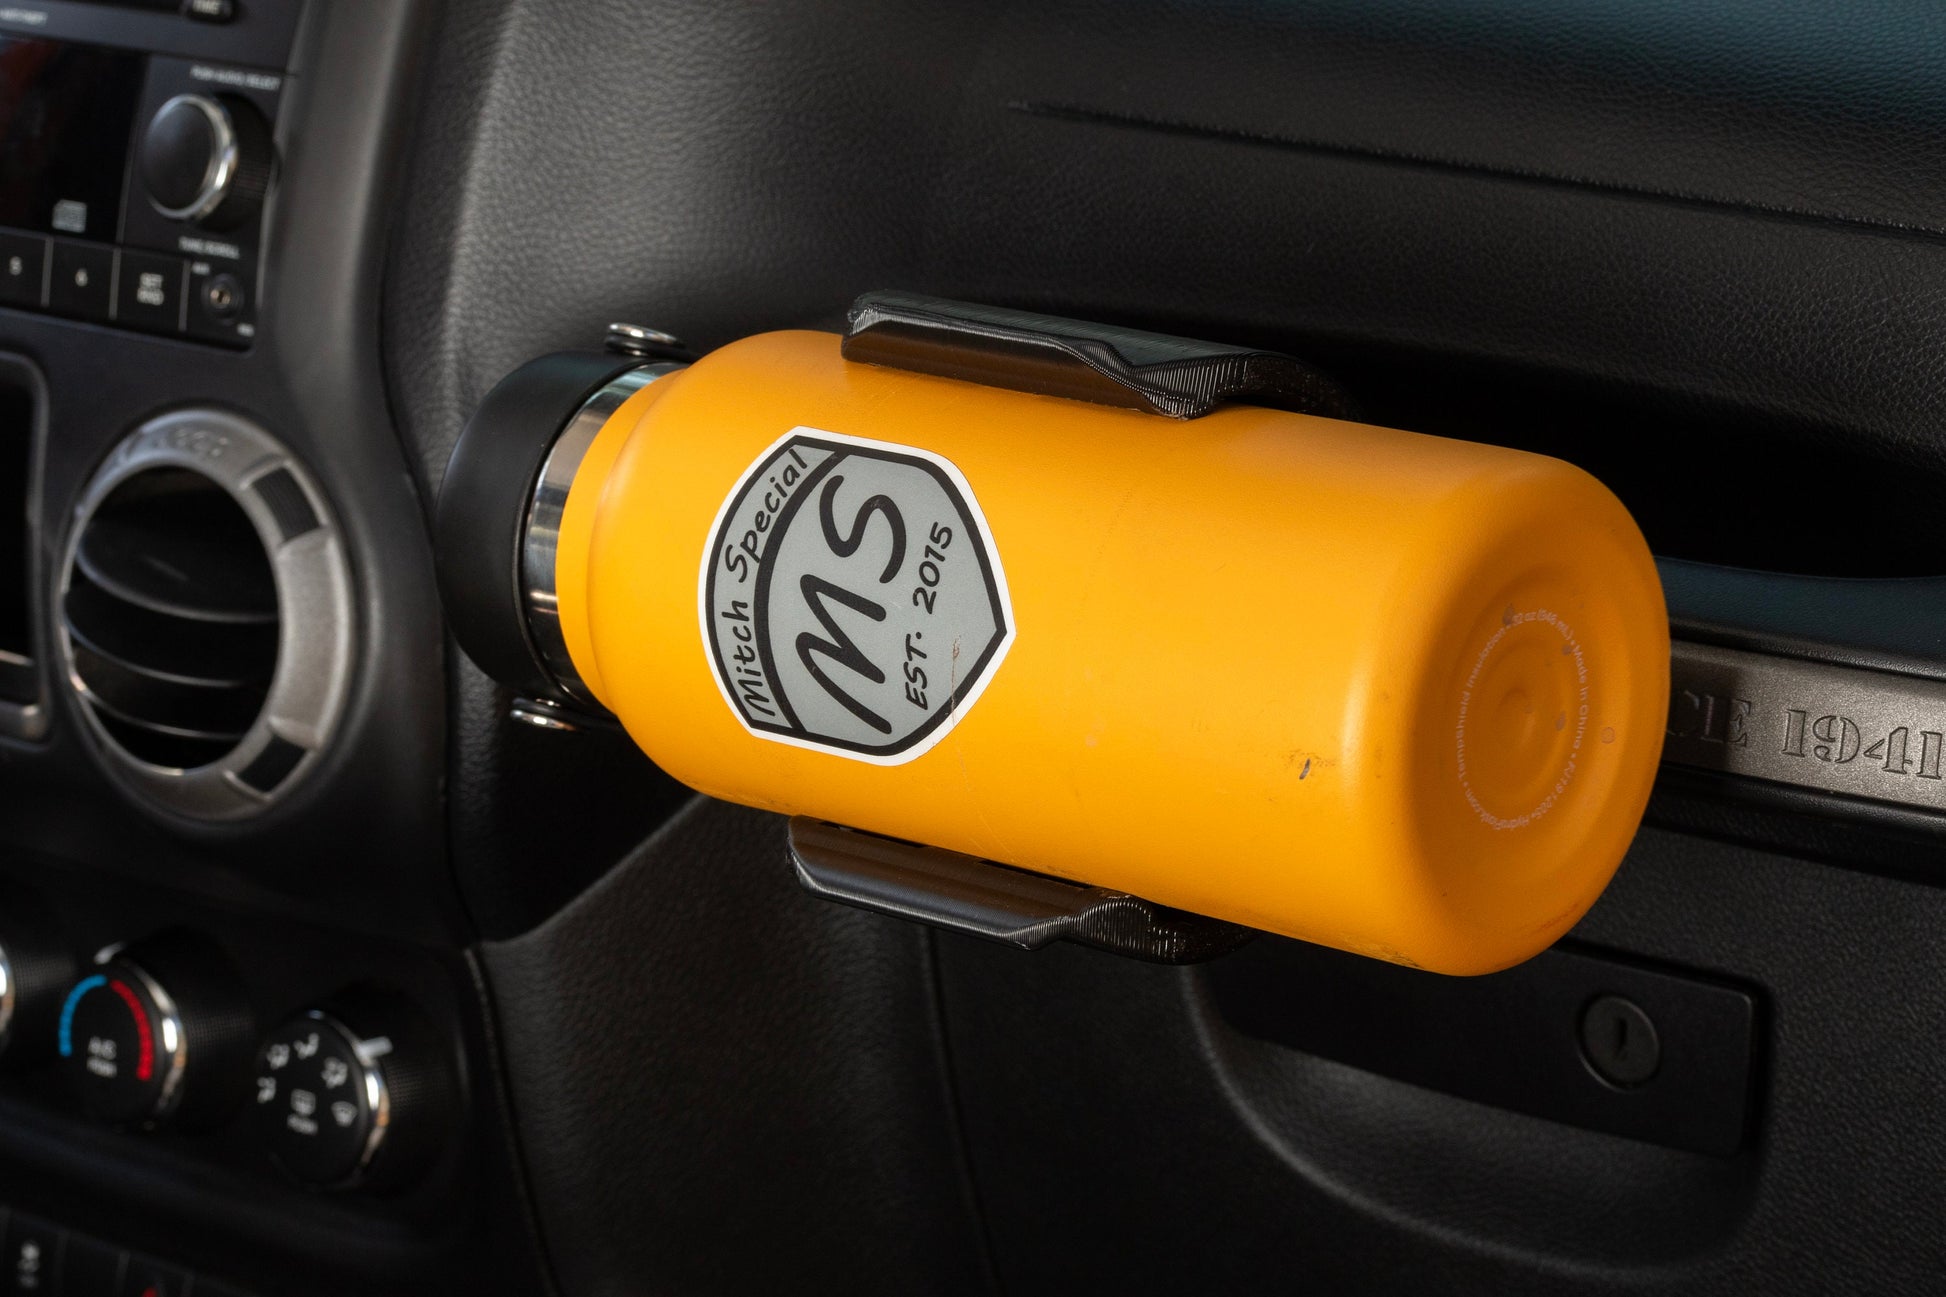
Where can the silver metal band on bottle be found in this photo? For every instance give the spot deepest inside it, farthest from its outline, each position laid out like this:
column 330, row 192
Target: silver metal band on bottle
column 542, row 534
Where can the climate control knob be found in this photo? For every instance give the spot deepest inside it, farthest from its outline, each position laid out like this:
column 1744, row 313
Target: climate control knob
column 207, row 159
column 35, row 969
column 157, row 1032
column 354, row 1094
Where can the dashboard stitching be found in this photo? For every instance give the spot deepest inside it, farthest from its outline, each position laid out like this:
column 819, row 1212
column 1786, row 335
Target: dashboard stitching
column 1085, row 115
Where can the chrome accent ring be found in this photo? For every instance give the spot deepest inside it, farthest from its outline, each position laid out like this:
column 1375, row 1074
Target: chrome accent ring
column 640, row 340
column 542, row 534
column 171, row 1040
column 9, row 993
column 371, row 1082
column 223, row 161
column 316, row 613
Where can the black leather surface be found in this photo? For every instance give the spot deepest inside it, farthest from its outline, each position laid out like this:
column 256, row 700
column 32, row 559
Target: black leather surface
column 536, row 816
column 1734, row 203
column 1222, row 1163
column 729, row 1087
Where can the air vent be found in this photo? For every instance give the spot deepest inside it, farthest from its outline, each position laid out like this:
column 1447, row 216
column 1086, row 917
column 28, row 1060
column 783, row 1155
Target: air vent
column 205, row 615
column 172, row 610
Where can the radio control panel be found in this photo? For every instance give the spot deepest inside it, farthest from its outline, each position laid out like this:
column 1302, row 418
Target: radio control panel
column 134, row 182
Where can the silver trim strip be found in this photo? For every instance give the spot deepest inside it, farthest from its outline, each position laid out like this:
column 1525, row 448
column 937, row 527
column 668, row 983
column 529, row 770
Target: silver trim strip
column 1867, row 734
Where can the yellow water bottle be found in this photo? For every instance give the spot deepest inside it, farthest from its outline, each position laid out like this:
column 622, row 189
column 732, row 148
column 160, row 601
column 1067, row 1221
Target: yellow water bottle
column 1393, row 693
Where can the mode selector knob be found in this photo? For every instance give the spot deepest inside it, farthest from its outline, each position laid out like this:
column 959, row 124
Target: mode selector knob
column 158, row 1032
column 207, row 159
column 355, row 1094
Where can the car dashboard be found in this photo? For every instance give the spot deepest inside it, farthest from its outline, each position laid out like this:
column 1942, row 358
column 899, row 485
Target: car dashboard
column 332, row 965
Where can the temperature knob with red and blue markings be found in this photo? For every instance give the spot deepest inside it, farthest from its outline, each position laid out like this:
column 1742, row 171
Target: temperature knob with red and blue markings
column 157, row 1032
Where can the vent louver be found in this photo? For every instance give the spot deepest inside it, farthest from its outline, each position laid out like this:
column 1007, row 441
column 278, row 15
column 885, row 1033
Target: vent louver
column 205, row 614
column 172, row 610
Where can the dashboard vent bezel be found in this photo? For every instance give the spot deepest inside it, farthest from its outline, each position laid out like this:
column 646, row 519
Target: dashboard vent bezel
column 311, row 678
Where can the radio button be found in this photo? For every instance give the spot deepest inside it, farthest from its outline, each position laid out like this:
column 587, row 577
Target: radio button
column 83, row 283
column 23, row 270
column 149, row 293
column 32, row 1258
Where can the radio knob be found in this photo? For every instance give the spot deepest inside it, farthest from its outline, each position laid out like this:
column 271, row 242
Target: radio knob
column 207, row 159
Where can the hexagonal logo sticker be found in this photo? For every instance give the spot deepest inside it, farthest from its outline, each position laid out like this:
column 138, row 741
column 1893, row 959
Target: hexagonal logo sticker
column 852, row 600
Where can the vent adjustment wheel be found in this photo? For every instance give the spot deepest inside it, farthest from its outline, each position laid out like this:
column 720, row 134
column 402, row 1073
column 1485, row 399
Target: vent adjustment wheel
column 205, row 615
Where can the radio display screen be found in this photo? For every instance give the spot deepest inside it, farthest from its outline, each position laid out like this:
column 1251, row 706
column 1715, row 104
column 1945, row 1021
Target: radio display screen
column 66, row 114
